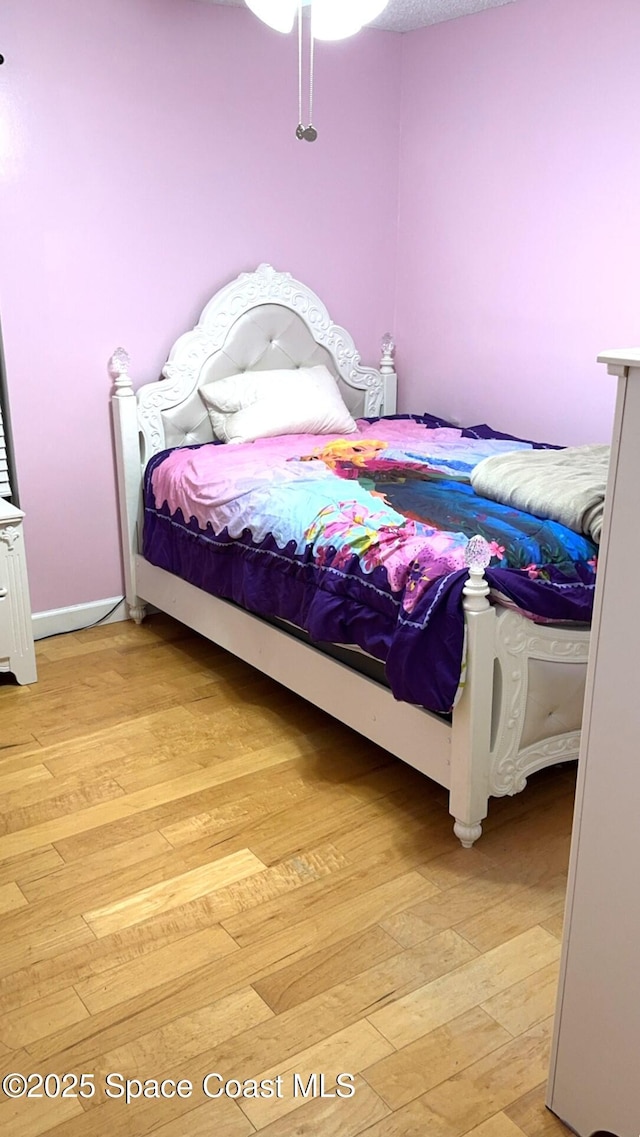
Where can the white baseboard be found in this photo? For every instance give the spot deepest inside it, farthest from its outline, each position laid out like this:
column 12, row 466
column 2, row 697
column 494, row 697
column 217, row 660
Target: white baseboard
column 78, row 616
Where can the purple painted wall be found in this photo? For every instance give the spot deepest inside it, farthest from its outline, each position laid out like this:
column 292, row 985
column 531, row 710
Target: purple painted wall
column 147, row 155
column 519, row 217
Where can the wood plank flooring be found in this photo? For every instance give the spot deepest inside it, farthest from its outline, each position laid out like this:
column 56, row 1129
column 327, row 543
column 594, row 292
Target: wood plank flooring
column 202, row 875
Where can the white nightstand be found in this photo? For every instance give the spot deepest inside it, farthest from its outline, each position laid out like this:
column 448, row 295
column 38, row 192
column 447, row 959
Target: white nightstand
column 17, row 653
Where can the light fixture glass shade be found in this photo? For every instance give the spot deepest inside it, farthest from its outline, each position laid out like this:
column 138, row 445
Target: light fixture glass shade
column 335, row 19
column 278, row 14
column 332, row 19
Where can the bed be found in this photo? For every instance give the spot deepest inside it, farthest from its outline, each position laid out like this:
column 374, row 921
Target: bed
column 513, row 705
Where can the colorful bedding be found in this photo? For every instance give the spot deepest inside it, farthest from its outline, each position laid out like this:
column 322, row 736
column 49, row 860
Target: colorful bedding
column 360, row 539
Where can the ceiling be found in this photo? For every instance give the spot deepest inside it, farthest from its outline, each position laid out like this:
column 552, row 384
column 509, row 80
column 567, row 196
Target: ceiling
column 406, row 15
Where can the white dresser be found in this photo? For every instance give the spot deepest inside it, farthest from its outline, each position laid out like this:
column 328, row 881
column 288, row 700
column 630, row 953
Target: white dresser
column 17, row 653
column 594, row 1079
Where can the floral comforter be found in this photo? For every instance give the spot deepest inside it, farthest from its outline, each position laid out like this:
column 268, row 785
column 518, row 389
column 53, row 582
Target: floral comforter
column 360, row 539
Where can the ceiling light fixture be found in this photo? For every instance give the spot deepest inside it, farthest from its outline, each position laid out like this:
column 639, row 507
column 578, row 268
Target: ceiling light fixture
column 328, row 20
column 333, row 19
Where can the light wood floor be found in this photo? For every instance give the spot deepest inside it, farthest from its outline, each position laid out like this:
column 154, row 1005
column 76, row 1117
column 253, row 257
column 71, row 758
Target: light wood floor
column 199, row 873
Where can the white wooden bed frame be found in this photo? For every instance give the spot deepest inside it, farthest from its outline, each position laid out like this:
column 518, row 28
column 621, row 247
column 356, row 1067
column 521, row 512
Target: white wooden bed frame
column 521, row 705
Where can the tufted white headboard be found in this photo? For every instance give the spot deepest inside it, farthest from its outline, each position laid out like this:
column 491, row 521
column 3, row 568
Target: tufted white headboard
column 266, row 337
column 262, row 320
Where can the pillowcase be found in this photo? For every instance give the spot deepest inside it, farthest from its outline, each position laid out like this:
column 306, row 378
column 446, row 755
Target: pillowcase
column 262, row 404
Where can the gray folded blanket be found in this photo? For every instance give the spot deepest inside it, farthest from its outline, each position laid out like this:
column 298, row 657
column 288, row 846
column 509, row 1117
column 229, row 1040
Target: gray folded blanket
column 564, row 485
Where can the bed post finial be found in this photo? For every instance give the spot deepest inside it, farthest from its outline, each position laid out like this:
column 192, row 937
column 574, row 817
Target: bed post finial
column 387, row 363
column 119, row 372
column 476, row 590
column 388, row 372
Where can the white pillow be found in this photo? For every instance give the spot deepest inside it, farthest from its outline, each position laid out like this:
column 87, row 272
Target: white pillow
column 261, row 404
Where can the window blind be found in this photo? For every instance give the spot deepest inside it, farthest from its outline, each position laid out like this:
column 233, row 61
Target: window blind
column 5, row 486
column 8, row 486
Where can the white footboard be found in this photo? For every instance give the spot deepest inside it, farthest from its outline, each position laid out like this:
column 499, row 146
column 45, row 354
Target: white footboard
column 539, row 682
column 520, row 710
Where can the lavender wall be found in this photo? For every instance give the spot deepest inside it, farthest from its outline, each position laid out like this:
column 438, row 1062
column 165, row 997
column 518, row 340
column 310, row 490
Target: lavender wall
column 147, row 156
column 519, row 219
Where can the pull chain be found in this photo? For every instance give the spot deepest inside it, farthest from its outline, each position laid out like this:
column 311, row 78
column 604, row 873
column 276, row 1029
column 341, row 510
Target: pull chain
column 300, row 127
column 311, row 133
column 308, row 133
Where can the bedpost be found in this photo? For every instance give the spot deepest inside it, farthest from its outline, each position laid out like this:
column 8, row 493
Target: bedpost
column 389, row 377
column 471, row 727
column 125, row 424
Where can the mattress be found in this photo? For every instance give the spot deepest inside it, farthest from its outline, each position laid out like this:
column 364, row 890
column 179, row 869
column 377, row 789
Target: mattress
column 360, row 539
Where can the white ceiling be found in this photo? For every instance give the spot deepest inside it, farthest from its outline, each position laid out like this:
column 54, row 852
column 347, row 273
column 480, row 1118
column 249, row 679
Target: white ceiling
column 406, row 15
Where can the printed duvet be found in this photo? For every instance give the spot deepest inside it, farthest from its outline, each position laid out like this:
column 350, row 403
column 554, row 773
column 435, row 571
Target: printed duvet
column 360, row 539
